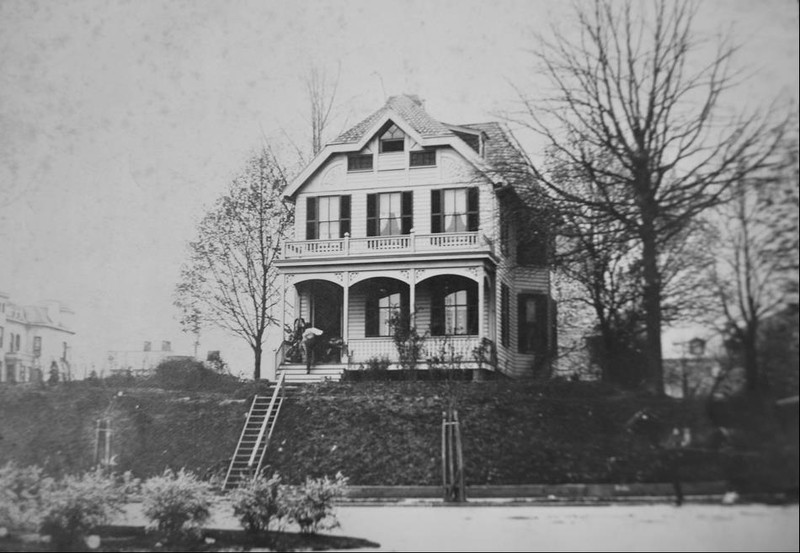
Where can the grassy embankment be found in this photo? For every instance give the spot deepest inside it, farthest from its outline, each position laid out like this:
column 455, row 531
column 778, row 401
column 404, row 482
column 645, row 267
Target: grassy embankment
column 388, row 433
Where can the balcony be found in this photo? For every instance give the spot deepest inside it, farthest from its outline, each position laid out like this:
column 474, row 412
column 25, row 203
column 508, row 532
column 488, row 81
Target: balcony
column 372, row 245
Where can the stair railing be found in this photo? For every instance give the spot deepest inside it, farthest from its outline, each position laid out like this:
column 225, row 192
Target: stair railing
column 239, row 444
column 275, row 394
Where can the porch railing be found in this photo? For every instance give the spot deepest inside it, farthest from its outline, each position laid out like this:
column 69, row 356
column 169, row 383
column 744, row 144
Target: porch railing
column 406, row 243
column 445, row 349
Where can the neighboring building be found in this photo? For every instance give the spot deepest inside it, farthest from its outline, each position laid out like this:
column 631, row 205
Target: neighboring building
column 403, row 213
column 141, row 362
column 34, row 340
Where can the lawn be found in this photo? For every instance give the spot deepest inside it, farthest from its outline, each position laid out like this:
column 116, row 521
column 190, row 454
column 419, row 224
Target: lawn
column 388, row 433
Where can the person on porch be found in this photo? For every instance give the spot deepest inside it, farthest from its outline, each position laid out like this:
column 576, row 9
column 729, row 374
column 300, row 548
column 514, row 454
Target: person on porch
column 310, row 338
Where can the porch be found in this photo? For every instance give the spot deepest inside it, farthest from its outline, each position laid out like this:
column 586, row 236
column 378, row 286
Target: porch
column 449, row 313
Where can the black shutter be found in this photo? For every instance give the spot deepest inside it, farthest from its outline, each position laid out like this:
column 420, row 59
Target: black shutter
column 372, row 215
column 473, row 311
column 407, row 213
column 523, row 343
column 473, row 220
column 371, row 315
column 437, row 311
column 542, row 323
column 436, row 211
column 311, row 218
column 553, row 343
column 344, row 215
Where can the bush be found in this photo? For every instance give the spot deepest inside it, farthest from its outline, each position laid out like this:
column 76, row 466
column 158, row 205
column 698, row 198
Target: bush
column 21, row 490
column 311, row 505
column 76, row 505
column 259, row 504
column 176, row 504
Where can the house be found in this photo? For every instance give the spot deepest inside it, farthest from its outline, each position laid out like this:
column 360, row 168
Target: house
column 34, row 340
column 438, row 224
column 140, row 362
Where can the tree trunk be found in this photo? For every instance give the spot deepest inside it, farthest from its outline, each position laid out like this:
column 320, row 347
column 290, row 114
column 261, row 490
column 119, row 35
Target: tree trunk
column 751, row 359
column 257, row 365
column 652, row 313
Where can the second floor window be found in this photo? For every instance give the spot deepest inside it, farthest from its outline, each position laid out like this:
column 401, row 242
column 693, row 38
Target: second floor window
column 37, row 346
column 454, row 210
column 2, row 330
column 389, row 214
column 359, row 162
column 327, row 217
column 424, row 158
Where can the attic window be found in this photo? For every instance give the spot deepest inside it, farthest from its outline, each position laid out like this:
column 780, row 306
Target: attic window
column 393, row 140
column 472, row 140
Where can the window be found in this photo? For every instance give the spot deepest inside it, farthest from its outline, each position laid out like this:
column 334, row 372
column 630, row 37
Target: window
column 2, row 333
column 389, row 214
column 425, row 158
column 382, row 304
column 454, row 210
column 16, row 346
column 505, row 316
column 532, row 322
column 327, row 217
column 64, row 347
column 392, row 140
column 359, row 162
column 454, row 312
column 533, row 247
column 37, row 346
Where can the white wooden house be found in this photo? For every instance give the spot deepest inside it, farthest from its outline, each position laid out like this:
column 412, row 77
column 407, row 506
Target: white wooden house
column 403, row 213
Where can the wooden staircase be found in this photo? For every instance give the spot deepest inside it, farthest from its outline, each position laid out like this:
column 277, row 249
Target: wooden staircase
column 251, row 450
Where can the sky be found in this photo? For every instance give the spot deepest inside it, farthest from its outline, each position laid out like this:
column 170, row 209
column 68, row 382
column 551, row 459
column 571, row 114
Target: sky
column 122, row 121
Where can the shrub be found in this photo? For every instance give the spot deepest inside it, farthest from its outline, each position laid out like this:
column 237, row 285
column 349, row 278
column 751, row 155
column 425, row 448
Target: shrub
column 259, row 504
column 75, row 505
column 311, row 505
column 21, row 490
column 176, row 504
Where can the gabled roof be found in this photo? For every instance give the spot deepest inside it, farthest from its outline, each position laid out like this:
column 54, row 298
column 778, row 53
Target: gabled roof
column 409, row 108
column 503, row 161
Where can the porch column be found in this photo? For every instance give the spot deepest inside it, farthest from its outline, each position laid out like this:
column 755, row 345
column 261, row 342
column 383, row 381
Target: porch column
column 481, row 306
column 412, row 298
column 283, row 306
column 345, row 308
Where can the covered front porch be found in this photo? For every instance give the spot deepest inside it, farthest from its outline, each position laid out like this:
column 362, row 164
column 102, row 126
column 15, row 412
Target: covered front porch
column 364, row 314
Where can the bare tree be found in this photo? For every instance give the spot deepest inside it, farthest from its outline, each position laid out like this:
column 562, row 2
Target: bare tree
column 229, row 279
column 321, row 95
column 757, row 248
column 630, row 85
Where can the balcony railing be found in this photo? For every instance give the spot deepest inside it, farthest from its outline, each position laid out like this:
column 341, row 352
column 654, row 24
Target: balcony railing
column 406, row 243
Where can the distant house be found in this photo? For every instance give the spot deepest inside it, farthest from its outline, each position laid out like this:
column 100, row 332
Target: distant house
column 140, row 362
column 697, row 364
column 404, row 214
column 34, row 340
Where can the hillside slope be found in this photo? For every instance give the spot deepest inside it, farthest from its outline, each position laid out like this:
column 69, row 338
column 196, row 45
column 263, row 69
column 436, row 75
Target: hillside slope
column 388, row 433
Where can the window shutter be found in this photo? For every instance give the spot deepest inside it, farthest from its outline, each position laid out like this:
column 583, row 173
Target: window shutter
column 473, row 220
column 522, row 342
column 371, row 317
column 436, row 211
column 553, row 345
column 407, row 213
column 344, row 215
column 437, row 312
column 542, row 323
column 311, row 218
column 372, row 215
column 473, row 311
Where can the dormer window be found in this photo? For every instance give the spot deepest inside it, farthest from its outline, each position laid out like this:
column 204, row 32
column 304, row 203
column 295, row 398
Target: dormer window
column 393, row 140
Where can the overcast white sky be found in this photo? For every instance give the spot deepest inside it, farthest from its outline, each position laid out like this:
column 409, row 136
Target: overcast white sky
column 120, row 121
